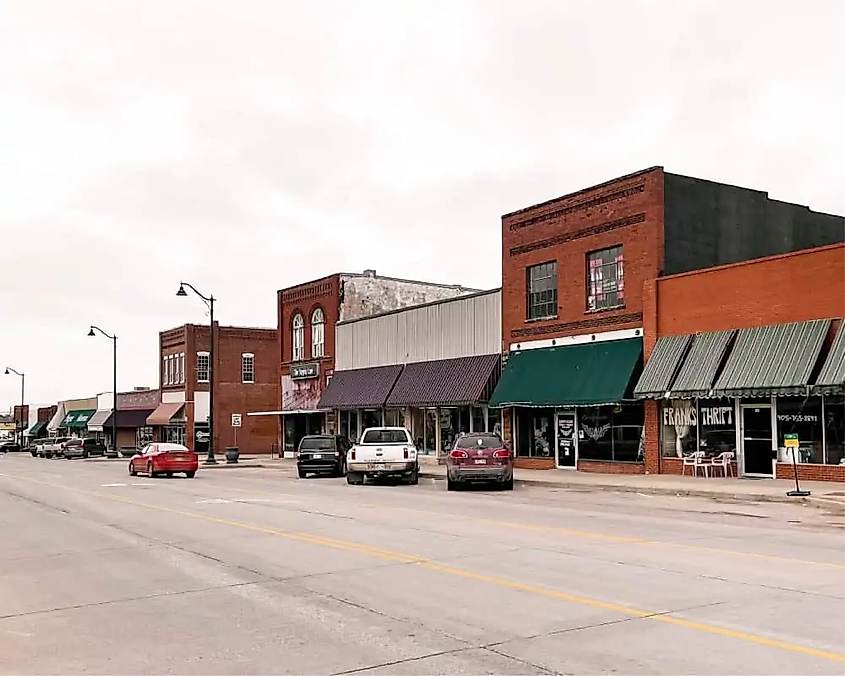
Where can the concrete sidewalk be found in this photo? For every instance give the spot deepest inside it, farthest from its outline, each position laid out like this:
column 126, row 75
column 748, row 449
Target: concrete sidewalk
column 825, row 494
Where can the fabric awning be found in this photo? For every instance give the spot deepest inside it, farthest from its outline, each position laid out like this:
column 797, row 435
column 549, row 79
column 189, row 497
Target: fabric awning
column 447, row 382
column 773, row 360
column 163, row 414
column 130, row 418
column 77, row 419
column 360, row 388
column 831, row 380
column 36, row 428
column 662, row 367
column 591, row 374
column 97, row 420
column 698, row 372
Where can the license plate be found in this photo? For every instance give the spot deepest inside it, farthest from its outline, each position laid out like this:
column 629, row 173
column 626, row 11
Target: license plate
column 483, row 461
column 379, row 465
column 317, row 456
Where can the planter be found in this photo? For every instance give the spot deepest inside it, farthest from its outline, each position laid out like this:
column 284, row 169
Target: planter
column 232, row 454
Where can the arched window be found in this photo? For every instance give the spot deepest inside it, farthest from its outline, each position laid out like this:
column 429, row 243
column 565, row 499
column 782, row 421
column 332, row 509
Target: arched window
column 318, row 334
column 298, row 337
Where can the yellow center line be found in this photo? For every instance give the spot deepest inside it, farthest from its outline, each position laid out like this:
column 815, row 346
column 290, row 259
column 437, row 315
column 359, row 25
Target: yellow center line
column 577, row 533
column 466, row 574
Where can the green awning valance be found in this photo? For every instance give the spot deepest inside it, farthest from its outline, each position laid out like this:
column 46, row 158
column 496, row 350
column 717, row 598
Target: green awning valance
column 77, row 419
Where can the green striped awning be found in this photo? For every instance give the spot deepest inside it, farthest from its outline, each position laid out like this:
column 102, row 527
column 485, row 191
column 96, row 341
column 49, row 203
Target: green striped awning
column 698, row 372
column 831, row 380
column 662, row 366
column 773, row 360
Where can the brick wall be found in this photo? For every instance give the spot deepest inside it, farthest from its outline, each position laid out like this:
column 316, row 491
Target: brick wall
column 785, row 470
column 138, row 399
column 304, row 299
column 626, row 211
column 46, row 413
column 789, row 288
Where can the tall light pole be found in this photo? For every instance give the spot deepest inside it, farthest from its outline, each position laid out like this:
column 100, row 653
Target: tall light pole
column 209, row 301
column 18, row 432
column 113, row 340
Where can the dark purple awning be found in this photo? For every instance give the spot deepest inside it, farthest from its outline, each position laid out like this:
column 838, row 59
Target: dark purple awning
column 130, row 417
column 447, row 382
column 360, row 388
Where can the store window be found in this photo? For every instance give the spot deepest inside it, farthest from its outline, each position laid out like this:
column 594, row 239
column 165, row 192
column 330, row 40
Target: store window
column 688, row 425
column 804, row 418
column 349, row 425
column 494, row 421
column 611, row 433
column 371, row 418
column 394, row 417
column 453, row 422
column 535, row 432
column 478, row 419
column 605, row 279
column 143, row 436
column 834, row 430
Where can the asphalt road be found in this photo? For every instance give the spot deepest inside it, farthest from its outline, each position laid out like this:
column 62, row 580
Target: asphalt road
column 254, row 571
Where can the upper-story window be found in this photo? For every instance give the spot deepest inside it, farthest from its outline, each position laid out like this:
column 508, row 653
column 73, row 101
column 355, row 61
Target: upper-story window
column 248, row 368
column 298, row 337
column 203, row 367
column 181, row 367
column 541, row 291
column 318, row 334
column 165, row 370
column 605, row 279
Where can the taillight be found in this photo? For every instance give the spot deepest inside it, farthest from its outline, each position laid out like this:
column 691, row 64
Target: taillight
column 352, row 454
column 502, row 454
column 63, row 446
column 458, row 454
column 405, row 451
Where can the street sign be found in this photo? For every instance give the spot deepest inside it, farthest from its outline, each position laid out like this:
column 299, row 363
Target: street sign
column 236, row 420
column 790, row 441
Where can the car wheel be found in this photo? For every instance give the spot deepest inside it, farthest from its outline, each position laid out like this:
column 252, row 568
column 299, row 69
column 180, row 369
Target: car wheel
column 132, row 470
column 508, row 485
column 415, row 477
column 190, row 475
column 150, row 472
column 301, row 472
column 452, row 485
column 354, row 478
column 84, row 455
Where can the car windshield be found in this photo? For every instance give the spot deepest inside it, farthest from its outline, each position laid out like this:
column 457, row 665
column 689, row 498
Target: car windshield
column 479, row 442
column 385, row 437
column 317, row 443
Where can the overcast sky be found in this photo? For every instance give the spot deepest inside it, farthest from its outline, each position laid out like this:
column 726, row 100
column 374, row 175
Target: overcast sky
column 248, row 146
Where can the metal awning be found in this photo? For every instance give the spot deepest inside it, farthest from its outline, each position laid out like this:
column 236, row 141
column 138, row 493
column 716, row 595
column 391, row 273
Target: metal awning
column 292, row 411
column 447, row 382
column 773, row 360
column 36, row 428
column 831, row 380
column 95, row 424
column 129, row 418
column 698, row 372
column 360, row 388
column 662, row 367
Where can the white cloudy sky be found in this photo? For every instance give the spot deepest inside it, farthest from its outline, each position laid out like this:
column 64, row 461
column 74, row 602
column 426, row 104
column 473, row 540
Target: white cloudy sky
column 247, row 146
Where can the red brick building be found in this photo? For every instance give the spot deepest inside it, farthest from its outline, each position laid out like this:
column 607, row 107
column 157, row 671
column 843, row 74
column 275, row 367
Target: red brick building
column 246, row 378
column 765, row 343
column 575, row 273
column 305, row 349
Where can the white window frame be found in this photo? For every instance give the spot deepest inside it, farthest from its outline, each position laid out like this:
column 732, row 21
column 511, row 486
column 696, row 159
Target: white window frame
column 318, row 333
column 164, row 370
column 172, row 369
column 247, row 357
column 182, row 367
column 298, row 335
column 207, row 355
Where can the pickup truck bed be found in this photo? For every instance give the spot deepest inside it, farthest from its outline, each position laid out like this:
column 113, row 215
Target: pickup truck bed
column 383, row 452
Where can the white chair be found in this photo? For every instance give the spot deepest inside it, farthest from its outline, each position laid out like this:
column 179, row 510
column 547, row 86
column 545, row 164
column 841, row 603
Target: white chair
column 725, row 461
column 696, row 460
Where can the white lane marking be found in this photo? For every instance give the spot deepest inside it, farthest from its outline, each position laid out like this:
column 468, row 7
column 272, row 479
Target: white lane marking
column 19, row 633
column 112, row 485
column 214, row 501
column 276, row 500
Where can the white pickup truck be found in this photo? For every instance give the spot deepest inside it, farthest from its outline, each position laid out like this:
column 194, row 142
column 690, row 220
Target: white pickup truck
column 383, row 452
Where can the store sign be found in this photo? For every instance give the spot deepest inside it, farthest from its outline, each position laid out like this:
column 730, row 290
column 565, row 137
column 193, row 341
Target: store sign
column 304, row 371
column 688, row 416
column 202, row 436
column 791, row 441
column 7, row 427
column 803, row 417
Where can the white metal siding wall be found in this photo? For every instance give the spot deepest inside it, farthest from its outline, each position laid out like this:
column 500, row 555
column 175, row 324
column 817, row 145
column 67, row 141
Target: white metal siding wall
column 459, row 328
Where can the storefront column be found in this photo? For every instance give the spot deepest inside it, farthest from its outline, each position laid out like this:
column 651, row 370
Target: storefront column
column 438, row 436
column 486, row 418
column 652, row 437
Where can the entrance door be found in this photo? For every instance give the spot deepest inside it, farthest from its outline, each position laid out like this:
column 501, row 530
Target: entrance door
column 566, row 440
column 757, row 440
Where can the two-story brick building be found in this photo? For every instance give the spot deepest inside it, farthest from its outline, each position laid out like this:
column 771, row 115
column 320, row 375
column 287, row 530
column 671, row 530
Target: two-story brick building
column 574, row 276
column 245, row 379
column 305, row 350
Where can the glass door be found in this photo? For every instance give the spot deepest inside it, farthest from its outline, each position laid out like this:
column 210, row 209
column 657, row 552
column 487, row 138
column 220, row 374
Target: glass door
column 757, row 442
column 566, row 440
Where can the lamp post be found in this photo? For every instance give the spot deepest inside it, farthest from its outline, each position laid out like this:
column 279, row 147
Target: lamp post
column 113, row 339
column 209, row 301
column 9, row 371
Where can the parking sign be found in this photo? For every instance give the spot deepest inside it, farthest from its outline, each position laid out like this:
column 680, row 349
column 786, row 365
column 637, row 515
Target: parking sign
column 236, row 420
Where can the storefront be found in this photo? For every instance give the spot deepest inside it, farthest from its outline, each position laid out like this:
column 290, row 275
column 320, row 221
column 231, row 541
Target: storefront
column 571, row 407
column 168, row 422
column 95, row 424
column 133, row 432
column 301, row 414
column 741, row 392
column 75, row 423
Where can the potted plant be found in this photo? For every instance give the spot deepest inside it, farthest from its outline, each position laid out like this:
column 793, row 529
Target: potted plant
column 232, row 454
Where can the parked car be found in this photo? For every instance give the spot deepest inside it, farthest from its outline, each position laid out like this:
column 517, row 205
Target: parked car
column 53, row 447
column 35, row 447
column 383, row 452
column 322, row 454
column 83, row 448
column 10, row 447
column 479, row 457
column 163, row 458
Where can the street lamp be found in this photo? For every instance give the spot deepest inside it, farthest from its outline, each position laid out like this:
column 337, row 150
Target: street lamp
column 113, row 339
column 9, row 371
column 209, row 301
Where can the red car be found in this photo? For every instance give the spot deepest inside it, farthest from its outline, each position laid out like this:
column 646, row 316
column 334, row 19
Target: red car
column 479, row 457
column 167, row 459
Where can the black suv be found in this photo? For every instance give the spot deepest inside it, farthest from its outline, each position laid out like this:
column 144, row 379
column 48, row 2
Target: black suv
column 322, row 454
column 9, row 447
column 84, row 448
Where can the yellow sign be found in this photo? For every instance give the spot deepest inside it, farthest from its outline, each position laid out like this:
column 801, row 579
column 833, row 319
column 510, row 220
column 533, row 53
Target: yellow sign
column 7, row 427
column 791, row 441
